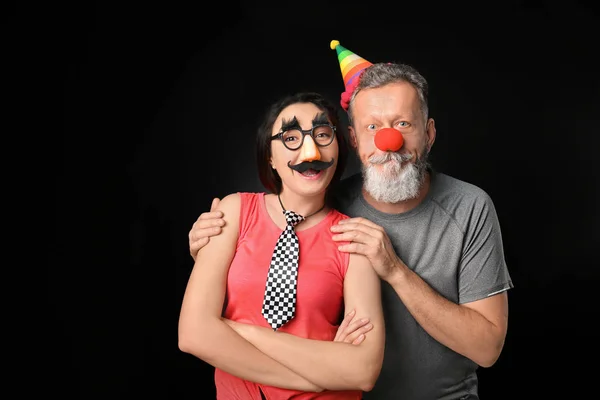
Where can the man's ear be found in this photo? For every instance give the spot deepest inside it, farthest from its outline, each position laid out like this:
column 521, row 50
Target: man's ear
column 352, row 135
column 430, row 131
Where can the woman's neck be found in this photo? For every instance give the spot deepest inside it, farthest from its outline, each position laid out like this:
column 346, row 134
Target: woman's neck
column 303, row 205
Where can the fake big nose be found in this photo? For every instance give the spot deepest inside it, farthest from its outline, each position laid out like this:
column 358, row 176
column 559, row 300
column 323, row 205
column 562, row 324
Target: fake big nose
column 309, row 150
column 389, row 139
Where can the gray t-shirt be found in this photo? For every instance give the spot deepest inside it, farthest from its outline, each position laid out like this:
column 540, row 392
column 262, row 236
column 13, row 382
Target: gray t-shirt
column 452, row 240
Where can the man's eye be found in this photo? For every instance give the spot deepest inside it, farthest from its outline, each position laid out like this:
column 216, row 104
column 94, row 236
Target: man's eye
column 371, row 126
column 403, row 124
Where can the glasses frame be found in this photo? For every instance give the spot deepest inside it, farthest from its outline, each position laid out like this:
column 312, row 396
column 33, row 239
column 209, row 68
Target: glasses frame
column 304, row 133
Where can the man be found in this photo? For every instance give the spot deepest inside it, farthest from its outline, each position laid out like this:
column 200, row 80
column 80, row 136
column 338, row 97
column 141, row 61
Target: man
column 434, row 241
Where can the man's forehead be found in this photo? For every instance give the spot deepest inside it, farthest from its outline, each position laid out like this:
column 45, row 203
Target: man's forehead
column 380, row 104
column 378, row 112
column 391, row 112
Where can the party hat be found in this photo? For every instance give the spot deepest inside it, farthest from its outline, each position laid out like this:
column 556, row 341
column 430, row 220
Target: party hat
column 351, row 66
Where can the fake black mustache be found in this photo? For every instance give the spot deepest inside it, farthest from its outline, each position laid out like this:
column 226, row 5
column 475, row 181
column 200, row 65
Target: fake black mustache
column 316, row 165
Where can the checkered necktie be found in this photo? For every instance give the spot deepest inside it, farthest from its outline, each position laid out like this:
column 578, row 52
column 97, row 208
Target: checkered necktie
column 279, row 304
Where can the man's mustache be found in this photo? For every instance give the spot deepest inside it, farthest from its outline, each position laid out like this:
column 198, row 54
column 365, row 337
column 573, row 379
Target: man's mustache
column 316, row 165
column 389, row 156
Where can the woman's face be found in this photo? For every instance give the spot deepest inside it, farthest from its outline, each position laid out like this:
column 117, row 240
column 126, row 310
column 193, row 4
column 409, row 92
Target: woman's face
column 309, row 169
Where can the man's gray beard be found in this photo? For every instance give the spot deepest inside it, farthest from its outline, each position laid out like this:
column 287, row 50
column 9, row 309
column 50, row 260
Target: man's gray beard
column 387, row 181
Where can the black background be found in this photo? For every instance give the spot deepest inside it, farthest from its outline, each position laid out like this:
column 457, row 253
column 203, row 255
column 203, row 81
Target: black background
column 161, row 102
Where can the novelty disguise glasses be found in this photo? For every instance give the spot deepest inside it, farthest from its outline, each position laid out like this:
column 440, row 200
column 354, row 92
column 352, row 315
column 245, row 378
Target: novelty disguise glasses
column 293, row 139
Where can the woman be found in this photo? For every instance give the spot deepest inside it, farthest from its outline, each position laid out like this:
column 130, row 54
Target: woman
column 226, row 318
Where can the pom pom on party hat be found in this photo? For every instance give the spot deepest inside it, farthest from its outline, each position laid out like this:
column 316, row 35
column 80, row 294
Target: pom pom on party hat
column 351, row 66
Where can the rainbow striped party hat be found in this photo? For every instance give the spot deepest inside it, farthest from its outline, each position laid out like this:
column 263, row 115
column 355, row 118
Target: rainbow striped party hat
column 351, row 66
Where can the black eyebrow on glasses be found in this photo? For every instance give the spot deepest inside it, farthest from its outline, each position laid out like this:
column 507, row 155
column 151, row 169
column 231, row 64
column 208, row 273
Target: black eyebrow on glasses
column 290, row 124
column 320, row 119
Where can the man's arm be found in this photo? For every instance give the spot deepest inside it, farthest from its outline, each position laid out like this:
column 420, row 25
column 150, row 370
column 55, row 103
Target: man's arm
column 476, row 330
column 333, row 365
column 202, row 331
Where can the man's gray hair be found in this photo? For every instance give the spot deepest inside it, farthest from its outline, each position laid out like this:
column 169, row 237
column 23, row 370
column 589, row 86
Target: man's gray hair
column 381, row 74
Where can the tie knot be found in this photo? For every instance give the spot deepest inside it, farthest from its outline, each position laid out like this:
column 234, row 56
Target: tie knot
column 292, row 218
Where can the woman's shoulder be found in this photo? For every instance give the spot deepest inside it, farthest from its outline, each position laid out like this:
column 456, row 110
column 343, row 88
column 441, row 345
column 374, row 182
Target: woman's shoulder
column 242, row 207
column 230, row 206
column 337, row 216
column 237, row 198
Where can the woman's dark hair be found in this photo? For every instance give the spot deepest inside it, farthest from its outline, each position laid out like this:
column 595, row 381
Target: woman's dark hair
column 268, row 176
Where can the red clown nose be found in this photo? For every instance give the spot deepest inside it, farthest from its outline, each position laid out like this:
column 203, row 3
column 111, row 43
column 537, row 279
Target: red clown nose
column 389, row 139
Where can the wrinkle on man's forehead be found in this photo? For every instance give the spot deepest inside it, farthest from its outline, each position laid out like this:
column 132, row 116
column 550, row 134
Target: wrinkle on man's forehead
column 398, row 100
column 385, row 107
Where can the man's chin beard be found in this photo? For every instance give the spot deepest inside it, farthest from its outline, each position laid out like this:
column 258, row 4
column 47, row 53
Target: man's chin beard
column 393, row 183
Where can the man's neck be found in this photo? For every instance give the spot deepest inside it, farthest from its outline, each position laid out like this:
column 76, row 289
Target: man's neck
column 402, row 206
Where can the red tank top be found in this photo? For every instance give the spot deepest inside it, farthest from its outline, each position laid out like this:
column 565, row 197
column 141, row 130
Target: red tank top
column 320, row 291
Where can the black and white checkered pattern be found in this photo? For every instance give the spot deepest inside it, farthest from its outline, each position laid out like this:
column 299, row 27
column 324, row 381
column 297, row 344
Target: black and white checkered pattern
column 279, row 304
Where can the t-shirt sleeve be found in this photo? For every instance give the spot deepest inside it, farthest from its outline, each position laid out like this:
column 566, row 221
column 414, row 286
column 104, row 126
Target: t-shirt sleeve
column 483, row 271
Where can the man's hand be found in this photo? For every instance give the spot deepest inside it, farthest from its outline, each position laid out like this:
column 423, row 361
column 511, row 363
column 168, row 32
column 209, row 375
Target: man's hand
column 370, row 240
column 352, row 331
column 208, row 224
